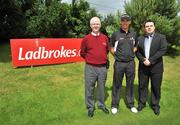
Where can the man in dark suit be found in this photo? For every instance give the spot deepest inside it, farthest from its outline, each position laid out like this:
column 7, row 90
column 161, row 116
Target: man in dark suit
column 151, row 47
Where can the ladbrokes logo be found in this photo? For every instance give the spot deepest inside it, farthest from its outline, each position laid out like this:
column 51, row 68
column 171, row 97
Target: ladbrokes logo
column 42, row 53
column 31, row 52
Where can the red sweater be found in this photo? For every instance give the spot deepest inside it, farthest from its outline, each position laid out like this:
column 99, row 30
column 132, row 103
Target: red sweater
column 94, row 49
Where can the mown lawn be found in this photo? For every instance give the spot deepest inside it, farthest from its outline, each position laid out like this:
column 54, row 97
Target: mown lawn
column 54, row 95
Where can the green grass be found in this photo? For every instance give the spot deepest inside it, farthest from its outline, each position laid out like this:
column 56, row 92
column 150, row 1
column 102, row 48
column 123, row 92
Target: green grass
column 54, row 95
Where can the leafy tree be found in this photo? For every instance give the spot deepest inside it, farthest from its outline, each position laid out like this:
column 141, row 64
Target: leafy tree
column 168, row 8
column 57, row 19
column 81, row 14
column 175, row 40
column 26, row 4
column 48, row 20
column 12, row 19
column 44, row 18
column 163, row 12
column 110, row 23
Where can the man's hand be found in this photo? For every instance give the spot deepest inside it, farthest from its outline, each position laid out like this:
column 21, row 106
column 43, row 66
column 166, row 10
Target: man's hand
column 147, row 62
column 112, row 50
column 135, row 49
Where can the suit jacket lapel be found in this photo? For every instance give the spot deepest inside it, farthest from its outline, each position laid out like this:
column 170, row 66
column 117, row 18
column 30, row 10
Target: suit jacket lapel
column 143, row 40
column 153, row 43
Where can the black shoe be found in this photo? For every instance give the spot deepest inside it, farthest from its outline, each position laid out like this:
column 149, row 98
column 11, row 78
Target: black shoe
column 156, row 111
column 139, row 108
column 104, row 109
column 90, row 113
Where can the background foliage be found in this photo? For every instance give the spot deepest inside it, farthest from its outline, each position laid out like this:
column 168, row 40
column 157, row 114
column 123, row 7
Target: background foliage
column 52, row 18
column 163, row 12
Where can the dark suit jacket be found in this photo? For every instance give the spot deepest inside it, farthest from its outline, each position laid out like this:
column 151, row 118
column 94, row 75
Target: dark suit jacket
column 157, row 50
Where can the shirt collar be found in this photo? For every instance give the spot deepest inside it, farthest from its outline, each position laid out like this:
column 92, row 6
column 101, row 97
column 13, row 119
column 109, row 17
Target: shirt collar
column 95, row 34
column 122, row 31
column 150, row 34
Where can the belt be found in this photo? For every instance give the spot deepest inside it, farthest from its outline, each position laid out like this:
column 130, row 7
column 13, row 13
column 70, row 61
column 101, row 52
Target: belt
column 97, row 65
column 124, row 61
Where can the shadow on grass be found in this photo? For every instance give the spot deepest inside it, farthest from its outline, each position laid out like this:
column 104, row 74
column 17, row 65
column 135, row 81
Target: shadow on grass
column 136, row 95
column 123, row 94
column 106, row 94
column 5, row 52
column 173, row 53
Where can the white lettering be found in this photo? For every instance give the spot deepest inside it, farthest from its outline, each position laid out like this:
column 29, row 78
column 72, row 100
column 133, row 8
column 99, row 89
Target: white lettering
column 36, row 54
column 56, row 54
column 42, row 53
column 63, row 52
column 68, row 52
column 50, row 53
column 73, row 53
column 29, row 55
column 20, row 54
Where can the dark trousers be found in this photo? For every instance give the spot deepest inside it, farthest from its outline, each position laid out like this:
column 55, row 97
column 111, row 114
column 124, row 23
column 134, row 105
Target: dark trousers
column 121, row 68
column 95, row 74
column 156, row 79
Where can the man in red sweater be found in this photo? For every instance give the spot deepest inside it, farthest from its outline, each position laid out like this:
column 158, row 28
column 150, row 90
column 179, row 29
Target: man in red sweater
column 94, row 49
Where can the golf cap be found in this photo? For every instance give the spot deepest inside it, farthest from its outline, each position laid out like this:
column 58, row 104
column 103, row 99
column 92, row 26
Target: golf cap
column 125, row 17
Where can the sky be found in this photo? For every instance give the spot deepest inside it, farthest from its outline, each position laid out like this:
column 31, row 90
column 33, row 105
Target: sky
column 105, row 6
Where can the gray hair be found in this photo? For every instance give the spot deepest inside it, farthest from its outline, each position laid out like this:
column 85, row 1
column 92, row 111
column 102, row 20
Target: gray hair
column 93, row 19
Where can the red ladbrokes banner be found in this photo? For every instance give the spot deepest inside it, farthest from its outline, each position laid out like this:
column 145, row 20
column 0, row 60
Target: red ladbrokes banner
column 29, row 52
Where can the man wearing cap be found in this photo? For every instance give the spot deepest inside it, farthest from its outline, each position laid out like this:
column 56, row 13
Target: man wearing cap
column 123, row 46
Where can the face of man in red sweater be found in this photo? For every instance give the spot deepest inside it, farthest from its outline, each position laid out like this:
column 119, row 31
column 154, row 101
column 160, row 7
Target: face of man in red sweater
column 95, row 25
